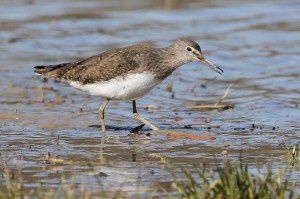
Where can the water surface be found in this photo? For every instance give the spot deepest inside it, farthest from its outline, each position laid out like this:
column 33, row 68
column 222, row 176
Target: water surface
column 257, row 44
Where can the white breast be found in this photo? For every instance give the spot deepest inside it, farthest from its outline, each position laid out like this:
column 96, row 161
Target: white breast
column 130, row 87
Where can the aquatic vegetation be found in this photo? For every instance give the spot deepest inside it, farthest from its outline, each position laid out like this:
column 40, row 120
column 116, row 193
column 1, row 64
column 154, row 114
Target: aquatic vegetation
column 234, row 181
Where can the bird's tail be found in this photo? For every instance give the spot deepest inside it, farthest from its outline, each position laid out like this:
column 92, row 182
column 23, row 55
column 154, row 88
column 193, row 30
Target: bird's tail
column 43, row 70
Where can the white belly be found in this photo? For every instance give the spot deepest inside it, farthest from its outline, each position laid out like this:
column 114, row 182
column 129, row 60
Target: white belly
column 130, row 87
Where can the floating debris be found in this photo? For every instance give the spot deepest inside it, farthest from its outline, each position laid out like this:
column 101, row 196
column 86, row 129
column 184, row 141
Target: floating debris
column 173, row 135
column 177, row 136
column 50, row 159
column 158, row 156
column 218, row 105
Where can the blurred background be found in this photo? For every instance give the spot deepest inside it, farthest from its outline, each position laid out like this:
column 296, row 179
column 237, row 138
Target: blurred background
column 257, row 43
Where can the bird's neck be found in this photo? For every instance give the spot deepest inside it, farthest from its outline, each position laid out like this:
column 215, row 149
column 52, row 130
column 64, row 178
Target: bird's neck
column 172, row 59
column 169, row 61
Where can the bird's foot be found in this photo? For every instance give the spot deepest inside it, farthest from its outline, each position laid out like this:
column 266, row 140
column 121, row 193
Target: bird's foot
column 144, row 121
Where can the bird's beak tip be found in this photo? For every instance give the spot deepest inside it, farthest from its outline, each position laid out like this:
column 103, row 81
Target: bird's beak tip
column 211, row 65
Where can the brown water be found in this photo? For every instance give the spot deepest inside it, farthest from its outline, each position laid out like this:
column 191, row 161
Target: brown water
column 257, row 44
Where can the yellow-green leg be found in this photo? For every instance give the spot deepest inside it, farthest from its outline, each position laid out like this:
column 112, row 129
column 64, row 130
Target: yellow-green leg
column 101, row 113
column 140, row 118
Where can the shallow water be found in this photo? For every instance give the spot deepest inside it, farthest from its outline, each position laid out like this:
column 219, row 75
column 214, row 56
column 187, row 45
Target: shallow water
column 257, row 44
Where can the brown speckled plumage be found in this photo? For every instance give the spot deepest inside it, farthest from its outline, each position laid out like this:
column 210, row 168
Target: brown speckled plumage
column 118, row 62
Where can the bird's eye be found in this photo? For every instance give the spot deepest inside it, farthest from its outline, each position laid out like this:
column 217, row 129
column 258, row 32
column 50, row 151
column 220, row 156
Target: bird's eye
column 189, row 49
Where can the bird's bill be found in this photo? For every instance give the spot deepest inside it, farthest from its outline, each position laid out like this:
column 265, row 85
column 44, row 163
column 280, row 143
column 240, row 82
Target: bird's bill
column 211, row 65
column 208, row 63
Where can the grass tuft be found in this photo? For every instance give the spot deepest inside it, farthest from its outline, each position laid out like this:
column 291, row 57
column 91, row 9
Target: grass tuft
column 234, row 181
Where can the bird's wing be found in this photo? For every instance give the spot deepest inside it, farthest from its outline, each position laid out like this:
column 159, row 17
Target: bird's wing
column 102, row 67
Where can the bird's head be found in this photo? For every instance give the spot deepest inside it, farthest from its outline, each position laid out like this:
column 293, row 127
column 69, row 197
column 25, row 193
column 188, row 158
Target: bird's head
column 190, row 51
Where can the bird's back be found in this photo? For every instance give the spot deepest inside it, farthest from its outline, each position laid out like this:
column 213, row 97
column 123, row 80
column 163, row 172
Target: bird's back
column 101, row 67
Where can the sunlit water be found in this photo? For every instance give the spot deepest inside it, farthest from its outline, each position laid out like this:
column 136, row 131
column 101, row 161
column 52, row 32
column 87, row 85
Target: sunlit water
column 257, row 44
